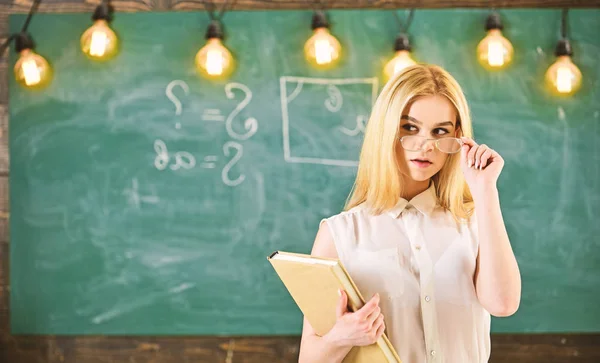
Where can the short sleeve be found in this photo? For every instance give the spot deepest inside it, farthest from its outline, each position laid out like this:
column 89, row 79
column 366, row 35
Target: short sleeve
column 337, row 228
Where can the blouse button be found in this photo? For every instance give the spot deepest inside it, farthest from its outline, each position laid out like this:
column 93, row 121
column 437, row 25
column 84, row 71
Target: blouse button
column 427, row 298
column 433, row 353
column 418, row 248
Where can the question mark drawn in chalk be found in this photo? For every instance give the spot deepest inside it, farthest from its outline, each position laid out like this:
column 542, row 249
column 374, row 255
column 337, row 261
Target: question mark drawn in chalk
column 174, row 99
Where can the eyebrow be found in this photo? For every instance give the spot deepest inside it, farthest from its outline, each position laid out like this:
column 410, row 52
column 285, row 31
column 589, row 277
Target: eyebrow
column 410, row 118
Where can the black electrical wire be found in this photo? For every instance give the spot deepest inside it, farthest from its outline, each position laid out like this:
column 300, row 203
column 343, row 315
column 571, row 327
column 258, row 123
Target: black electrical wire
column 6, row 44
column 404, row 26
column 33, row 9
column 23, row 33
column 211, row 8
column 563, row 46
column 563, row 24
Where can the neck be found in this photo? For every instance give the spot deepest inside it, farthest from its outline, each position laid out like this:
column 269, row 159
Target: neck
column 412, row 188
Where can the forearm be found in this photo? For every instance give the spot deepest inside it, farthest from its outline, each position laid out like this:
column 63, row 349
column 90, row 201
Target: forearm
column 316, row 349
column 498, row 280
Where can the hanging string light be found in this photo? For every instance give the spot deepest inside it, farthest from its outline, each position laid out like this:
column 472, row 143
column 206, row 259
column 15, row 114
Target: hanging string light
column 31, row 69
column 402, row 47
column 322, row 49
column 99, row 42
column 214, row 60
column 494, row 51
column 563, row 76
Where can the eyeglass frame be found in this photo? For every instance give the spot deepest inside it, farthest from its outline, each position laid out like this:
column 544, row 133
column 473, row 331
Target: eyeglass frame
column 435, row 143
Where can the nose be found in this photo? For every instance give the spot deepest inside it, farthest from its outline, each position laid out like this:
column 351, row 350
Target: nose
column 428, row 145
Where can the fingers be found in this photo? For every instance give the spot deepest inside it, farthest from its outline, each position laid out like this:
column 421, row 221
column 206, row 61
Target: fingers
column 471, row 156
column 377, row 331
column 480, row 150
column 380, row 330
column 373, row 316
column 469, row 150
column 342, row 306
column 468, row 141
column 464, row 152
column 483, row 160
column 368, row 308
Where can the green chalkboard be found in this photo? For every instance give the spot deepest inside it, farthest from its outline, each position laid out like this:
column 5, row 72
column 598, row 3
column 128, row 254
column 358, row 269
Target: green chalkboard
column 144, row 199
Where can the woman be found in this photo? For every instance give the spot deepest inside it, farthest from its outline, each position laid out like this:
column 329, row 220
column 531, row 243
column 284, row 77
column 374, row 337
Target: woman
column 422, row 231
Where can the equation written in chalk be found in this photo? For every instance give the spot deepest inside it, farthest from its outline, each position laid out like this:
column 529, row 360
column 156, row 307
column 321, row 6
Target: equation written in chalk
column 232, row 151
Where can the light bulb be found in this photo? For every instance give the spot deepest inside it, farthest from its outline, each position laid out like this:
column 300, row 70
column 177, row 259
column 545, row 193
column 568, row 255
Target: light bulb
column 322, row 48
column 214, row 60
column 400, row 61
column 495, row 51
column 402, row 58
column 32, row 70
column 564, row 76
column 99, row 42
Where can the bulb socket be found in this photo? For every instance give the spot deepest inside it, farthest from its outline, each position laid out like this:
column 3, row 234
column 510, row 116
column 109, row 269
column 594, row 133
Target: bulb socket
column 319, row 20
column 493, row 21
column 402, row 43
column 563, row 47
column 214, row 30
column 23, row 41
column 104, row 11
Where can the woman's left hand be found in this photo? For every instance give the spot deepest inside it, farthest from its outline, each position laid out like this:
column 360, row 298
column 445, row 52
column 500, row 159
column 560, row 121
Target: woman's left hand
column 480, row 164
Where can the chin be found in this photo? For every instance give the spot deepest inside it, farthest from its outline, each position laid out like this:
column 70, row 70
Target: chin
column 416, row 176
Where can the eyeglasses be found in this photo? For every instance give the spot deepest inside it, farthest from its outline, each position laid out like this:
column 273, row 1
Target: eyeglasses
column 448, row 145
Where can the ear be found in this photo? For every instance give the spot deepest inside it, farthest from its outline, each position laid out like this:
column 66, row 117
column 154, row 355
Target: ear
column 458, row 131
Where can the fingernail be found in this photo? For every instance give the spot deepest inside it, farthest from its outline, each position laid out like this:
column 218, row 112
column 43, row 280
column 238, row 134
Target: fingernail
column 339, row 292
column 476, row 165
column 470, row 163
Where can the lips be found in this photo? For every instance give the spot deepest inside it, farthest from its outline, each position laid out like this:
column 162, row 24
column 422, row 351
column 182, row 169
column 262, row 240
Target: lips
column 421, row 163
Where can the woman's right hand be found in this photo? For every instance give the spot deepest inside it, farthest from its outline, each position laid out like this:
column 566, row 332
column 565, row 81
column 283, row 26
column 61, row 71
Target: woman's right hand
column 362, row 327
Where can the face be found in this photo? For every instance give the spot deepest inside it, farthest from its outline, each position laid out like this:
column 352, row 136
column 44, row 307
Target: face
column 432, row 117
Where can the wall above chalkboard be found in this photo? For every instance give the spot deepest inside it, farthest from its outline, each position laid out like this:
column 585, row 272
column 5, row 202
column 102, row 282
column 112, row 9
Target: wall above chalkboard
column 144, row 199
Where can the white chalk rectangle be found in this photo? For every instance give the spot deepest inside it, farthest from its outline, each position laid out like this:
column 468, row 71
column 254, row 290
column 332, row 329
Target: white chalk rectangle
column 324, row 119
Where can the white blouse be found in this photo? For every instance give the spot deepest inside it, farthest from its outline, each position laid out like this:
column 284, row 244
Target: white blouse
column 422, row 264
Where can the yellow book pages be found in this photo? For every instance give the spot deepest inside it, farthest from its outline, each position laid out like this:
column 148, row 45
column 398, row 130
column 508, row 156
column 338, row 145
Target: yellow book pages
column 313, row 283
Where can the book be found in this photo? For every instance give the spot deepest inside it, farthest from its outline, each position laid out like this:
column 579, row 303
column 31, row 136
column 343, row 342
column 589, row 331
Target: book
column 313, row 283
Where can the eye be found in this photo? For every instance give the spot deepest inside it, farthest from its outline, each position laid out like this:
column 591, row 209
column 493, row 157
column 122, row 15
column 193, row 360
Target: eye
column 440, row 131
column 409, row 127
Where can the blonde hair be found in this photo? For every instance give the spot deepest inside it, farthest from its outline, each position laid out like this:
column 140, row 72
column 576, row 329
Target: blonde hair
column 378, row 183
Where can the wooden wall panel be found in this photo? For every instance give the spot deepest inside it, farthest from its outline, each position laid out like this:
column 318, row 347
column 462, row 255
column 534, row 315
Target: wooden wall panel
column 528, row 348
column 145, row 5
